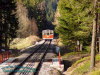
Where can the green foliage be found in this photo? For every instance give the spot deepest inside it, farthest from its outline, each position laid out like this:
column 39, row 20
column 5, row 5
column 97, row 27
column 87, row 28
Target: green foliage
column 51, row 6
column 30, row 2
column 8, row 22
column 85, row 66
column 41, row 10
column 82, row 69
column 22, row 43
column 75, row 21
column 72, row 54
column 81, row 60
column 69, row 54
column 95, row 72
column 87, row 48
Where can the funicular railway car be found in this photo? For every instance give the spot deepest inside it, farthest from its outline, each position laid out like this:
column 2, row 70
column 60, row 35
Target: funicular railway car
column 47, row 34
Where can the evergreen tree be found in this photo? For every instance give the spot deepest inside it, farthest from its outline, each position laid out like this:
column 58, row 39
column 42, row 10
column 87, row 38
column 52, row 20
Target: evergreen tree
column 51, row 6
column 8, row 24
column 75, row 21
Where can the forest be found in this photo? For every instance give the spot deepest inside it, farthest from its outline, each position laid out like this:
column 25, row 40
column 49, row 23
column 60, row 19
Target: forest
column 23, row 18
column 76, row 23
column 78, row 26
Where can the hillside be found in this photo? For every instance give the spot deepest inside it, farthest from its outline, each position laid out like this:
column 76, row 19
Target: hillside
column 81, row 64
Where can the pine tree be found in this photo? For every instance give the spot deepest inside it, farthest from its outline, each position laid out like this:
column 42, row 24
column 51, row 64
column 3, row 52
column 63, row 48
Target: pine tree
column 75, row 21
column 51, row 6
column 8, row 22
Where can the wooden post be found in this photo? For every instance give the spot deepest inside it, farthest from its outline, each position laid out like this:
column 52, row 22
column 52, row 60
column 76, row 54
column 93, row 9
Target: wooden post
column 59, row 58
column 7, row 54
column 0, row 58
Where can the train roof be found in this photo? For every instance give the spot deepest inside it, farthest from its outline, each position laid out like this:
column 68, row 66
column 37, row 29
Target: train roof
column 47, row 29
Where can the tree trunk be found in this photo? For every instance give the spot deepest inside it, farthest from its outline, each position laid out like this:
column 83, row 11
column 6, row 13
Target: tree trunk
column 6, row 41
column 99, row 45
column 98, row 29
column 78, row 45
column 81, row 46
column 96, row 50
column 93, row 44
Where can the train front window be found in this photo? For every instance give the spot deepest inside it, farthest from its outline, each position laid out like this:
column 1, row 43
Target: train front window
column 42, row 33
column 51, row 33
column 47, row 33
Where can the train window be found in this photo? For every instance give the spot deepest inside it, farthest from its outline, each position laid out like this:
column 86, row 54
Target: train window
column 47, row 33
column 44, row 32
column 51, row 32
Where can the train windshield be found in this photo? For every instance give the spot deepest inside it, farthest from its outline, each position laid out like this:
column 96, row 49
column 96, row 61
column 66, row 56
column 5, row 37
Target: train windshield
column 47, row 33
column 51, row 32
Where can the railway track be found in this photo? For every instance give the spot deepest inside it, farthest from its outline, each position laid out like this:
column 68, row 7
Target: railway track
column 32, row 64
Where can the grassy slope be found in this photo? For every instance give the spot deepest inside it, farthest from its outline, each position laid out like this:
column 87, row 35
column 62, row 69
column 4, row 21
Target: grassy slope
column 85, row 67
column 82, row 66
column 72, row 53
column 21, row 43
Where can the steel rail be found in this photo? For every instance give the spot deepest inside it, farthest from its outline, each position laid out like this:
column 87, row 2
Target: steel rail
column 42, row 59
column 35, row 56
column 21, row 64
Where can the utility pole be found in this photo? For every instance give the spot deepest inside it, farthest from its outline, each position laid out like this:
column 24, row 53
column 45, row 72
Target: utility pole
column 94, row 32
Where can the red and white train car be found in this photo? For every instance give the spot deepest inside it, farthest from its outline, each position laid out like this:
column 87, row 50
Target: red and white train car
column 47, row 34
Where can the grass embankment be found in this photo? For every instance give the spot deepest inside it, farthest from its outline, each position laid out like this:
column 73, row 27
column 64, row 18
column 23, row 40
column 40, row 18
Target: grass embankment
column 21, row 43
column 82, row 66
column 72, row 53
column 74, row 56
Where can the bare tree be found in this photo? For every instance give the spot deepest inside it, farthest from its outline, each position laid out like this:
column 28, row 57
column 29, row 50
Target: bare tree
column 27, row 26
